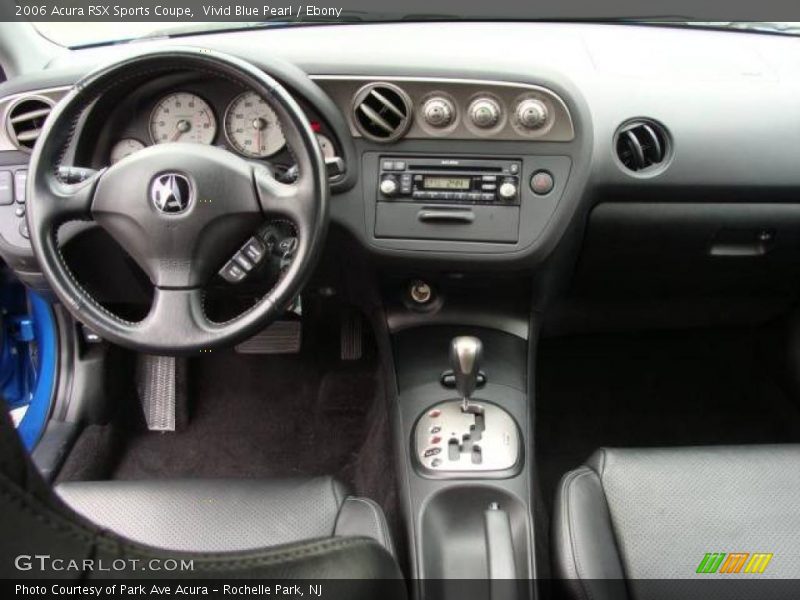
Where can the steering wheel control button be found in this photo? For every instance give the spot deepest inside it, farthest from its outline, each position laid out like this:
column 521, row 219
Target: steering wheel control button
column 232, row 272
column 542, row 183
column 243, row 261
column 254, row 250
column 6, row 188
column 23, row 229
column 20, row 182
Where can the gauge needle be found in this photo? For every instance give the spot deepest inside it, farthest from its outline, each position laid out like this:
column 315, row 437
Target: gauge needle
column 259, row 125
column 181, row 127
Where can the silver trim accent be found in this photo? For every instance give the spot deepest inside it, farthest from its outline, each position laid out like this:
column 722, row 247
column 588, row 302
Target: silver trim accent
column 499, row 442
column 558, row 128
column 50, row 96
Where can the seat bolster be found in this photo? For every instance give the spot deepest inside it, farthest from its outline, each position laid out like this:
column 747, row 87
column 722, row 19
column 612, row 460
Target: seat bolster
column 586, row 553
column 363, row 517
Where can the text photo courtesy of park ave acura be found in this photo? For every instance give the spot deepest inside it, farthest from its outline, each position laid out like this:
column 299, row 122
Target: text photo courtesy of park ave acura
column 420, row 300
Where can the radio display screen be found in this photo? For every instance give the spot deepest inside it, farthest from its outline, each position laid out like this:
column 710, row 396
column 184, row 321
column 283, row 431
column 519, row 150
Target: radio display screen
column 446, row 183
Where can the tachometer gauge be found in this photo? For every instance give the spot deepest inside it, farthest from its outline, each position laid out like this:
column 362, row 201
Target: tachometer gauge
column 326, row 145
column 124, row 147
column 183, row 117
column 252, row 126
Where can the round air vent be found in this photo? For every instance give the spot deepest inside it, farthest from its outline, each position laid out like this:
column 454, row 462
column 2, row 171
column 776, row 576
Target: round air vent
column 25, row 120
column 642, row 146
column 382, row 112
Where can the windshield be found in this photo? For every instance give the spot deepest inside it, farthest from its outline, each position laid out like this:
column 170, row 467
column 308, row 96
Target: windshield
column 77, row 34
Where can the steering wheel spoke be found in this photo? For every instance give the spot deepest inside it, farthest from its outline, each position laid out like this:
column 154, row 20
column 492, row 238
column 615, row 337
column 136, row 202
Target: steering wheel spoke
column 71, row 201
column 291, row 201
column 176, row 315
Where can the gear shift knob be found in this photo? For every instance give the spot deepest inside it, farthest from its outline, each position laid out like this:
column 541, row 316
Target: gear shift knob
column 465, row 358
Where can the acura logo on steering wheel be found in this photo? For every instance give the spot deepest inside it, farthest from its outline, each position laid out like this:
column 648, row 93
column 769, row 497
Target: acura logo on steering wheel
column 170, row 193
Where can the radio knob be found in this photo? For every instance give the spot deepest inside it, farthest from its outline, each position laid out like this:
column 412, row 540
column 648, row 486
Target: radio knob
column 531, row 113
column 484, row 112
column 389, row 186
column 507, row 190
column 438, row 112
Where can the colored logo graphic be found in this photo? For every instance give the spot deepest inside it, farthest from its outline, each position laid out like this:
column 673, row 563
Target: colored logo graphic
column 733, row 563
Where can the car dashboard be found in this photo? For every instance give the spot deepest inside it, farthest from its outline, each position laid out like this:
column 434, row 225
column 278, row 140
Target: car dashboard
column 540, row 148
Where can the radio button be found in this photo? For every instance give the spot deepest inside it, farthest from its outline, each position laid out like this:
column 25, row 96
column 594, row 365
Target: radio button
column 513, row 168
column 489, row 187
column 487, row 197
column 507, row 191
column 489, row 177
column 389, row 186
column 388, row 165
column 399, row 165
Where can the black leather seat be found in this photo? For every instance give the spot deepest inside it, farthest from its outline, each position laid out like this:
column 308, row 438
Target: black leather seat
column 293, row 529
column 219, row 515
column 630, row 523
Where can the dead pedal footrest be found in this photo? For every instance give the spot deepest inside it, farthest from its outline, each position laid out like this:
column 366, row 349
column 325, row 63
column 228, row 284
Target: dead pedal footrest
column 155, row 384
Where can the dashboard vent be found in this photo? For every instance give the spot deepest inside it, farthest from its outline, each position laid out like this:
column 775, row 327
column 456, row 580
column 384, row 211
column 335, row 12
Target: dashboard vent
column 25, row 120
column 642, row 145
column 382, row 112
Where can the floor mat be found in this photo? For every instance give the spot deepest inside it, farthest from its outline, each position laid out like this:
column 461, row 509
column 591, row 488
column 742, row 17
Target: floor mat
column 670, row 389
column 257, row 416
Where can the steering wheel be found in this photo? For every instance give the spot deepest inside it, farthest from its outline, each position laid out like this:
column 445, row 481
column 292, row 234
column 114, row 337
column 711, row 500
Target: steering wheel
column 179, row 210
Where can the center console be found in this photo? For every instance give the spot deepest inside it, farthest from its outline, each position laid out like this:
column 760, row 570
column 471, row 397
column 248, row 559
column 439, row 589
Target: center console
column 464, row 425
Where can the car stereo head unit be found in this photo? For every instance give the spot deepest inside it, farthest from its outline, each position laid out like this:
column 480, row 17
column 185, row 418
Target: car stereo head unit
column 461, row 180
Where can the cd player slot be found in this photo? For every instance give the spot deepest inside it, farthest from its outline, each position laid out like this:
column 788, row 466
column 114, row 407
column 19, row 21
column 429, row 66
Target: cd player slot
column 455, row 168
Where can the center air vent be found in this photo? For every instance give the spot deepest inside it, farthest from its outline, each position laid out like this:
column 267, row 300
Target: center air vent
column 382, row 111
column 25, row 120
column 642, row 145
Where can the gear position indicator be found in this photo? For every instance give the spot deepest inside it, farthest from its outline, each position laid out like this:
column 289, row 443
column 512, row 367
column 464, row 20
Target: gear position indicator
column 473, row 437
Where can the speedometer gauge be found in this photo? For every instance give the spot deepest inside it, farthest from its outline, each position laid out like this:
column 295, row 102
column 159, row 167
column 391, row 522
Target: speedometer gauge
column 252, row 126
column 183, row 117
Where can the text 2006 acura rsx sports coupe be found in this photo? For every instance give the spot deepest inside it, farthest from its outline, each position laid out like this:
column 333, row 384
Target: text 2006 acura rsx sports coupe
column 482, row 309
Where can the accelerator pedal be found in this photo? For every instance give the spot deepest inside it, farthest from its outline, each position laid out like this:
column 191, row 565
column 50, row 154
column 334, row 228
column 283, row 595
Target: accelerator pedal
column 351, row 334
column 281, row 337
column 155, row 384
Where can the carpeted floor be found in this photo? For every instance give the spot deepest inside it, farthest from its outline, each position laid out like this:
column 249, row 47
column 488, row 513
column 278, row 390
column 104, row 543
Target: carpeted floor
column 256, row 416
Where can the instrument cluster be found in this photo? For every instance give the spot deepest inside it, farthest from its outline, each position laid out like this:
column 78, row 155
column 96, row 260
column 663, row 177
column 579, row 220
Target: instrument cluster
column 241, row 122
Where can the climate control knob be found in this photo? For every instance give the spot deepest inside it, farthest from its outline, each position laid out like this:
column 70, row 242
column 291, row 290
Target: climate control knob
column 507, row 190
column 484, row 112
column 388, row 186
column 438, row 111
column 531, row 113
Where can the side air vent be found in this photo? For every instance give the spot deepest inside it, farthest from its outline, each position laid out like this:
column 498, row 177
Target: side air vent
column 642, row 145
column 25, row 120
column 382, row 112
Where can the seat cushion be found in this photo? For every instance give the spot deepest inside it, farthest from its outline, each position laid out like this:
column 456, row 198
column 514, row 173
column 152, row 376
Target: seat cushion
column 218, row 515
column 653, row 514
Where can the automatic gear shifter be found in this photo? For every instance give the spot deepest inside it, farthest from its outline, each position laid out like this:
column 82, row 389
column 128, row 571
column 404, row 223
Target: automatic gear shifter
column 466, row 436
column 465, row 357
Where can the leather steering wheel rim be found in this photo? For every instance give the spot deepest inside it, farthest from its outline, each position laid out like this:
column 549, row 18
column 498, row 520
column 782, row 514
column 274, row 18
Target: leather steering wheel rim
column 230, row 196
